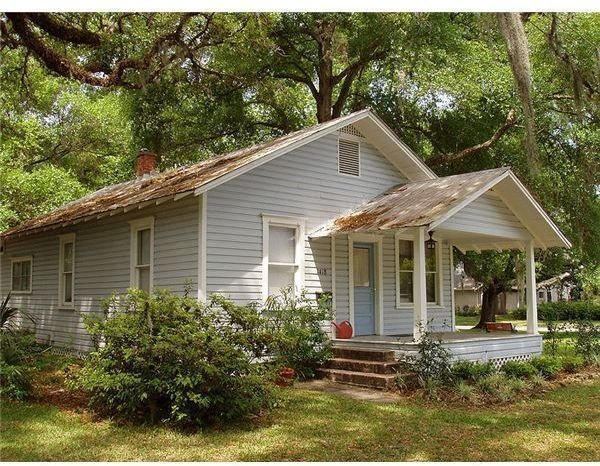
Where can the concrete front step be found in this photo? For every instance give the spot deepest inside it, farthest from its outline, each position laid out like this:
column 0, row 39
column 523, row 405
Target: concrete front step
column 362, row 379
column 364, row 354
column 357, row 365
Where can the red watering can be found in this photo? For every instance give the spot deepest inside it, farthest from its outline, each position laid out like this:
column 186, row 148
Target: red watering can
column 343, row 330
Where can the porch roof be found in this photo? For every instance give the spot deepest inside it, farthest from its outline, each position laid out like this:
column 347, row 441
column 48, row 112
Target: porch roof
column 429, row 203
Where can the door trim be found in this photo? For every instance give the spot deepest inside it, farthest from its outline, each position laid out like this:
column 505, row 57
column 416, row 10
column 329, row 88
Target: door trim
column 377, row 241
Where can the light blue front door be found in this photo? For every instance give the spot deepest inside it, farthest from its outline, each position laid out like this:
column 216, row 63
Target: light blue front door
column 364, row 289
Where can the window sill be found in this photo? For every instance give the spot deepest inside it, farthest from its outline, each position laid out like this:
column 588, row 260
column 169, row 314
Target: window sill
column 17, row 293
column 66, row 308
column 411, row 306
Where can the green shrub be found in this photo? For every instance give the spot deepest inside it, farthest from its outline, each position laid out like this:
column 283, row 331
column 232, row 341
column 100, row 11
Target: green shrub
column 297, row 325
column 520, row 313
column 16, row 349
column 468, row 311
column 15, row 381
column 569, row 310
column 172, row 359
column 519, row 369
column 571, row 363
column 587, row 341
column 492, row 384
column 464, row 391
column 547, row 366
column 469, row 370
column 432, row 364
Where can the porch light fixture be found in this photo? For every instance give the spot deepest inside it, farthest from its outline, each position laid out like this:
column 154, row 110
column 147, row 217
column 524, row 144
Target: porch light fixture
column 430, row 243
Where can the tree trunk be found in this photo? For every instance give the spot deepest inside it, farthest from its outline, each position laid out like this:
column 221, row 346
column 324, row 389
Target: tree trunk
column 324, row 37
column 324, row 104
column 489, row 305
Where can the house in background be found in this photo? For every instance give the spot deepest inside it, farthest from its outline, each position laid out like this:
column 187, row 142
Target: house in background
column 469, row 293
column 343, row 207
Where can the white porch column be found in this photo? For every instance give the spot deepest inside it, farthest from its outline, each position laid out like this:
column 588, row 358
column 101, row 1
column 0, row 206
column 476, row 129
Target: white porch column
column 532, row 314
column 419, row 292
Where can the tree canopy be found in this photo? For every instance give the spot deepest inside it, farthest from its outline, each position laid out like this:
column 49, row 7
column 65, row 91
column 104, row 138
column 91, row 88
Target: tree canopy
column 82, row 92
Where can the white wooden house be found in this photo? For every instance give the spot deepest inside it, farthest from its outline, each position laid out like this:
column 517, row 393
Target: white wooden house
column 343, row 207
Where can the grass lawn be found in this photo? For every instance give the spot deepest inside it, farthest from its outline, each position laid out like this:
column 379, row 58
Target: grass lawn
column 474, row 320
column 560, row 425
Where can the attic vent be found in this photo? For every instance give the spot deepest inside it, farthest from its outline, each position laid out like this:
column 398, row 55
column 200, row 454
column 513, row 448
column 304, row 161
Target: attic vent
column 351, row 130
column 349, row 157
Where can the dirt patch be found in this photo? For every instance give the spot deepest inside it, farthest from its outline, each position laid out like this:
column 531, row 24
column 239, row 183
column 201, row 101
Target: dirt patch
column 349, row 391
column 49, row 387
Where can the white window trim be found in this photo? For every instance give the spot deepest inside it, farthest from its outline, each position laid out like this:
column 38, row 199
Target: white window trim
column 377, row 241
column 440, row 274
column 136, row 225
column 21, row 259
column 63, row 239
column 350, row 137
column 299, row 223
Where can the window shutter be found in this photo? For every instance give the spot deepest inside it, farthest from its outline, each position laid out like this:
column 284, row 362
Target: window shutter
column 349, row 157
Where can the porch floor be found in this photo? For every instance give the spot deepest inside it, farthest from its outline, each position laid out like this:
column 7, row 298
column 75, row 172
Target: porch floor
column 471, row 345
column 443, row 336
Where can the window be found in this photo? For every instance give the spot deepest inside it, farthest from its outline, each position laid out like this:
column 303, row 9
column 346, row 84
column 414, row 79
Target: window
column 348, row 157
column 283, row 254
column 142, row 254
column 66, row 267
column 431, row 274
column 21, row 273
column 405, row 273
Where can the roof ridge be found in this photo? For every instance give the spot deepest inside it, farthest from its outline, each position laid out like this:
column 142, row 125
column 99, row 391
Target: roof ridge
column 170, row 182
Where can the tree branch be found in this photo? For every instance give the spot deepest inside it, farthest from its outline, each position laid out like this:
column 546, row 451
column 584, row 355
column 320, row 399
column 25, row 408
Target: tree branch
column 511, row 121
column 64, row 31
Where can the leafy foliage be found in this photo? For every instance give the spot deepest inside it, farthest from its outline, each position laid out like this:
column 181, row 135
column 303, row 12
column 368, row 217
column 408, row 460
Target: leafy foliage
column 172, row 359
column 297, row 325
column 432, row 364
column 519, row 369
column 569, row 310
column 470, row 370
column 15, row 348
column 587, row 342
column 548, row 366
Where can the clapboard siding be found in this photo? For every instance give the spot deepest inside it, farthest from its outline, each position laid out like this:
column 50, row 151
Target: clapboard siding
column 487, row 215
column 496, row 348
column 303, row 183
column 102, row 266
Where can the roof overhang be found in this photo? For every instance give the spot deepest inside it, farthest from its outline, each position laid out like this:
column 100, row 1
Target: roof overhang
column 432, row 203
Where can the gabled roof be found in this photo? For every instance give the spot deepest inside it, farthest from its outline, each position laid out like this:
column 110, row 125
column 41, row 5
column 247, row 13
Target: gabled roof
column 205, row 175
column 430, row 203
column 411, row 205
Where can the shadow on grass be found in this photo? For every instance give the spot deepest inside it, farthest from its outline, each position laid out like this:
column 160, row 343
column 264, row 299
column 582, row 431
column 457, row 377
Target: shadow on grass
column 561, row 425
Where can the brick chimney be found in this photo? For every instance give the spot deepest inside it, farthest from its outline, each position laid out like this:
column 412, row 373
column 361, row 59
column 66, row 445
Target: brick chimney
column 145, row 163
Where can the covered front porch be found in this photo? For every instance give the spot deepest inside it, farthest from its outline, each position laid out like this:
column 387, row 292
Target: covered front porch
column 393, row 279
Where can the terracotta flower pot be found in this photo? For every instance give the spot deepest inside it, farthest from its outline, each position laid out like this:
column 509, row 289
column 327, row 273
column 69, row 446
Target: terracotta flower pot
column 286, row 377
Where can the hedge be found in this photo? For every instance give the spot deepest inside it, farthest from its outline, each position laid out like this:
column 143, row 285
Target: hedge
column 563, row 310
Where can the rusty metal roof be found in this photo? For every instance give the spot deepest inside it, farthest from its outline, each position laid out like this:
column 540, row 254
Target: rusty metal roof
column 115, row 198
column 410, row 205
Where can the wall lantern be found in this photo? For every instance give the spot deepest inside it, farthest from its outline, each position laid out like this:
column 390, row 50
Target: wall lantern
column 430, row 243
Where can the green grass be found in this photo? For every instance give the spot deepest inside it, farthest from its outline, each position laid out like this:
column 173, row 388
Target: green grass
column 561, row 425
column 474, row 320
